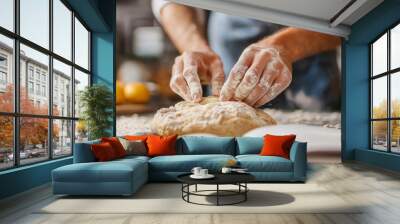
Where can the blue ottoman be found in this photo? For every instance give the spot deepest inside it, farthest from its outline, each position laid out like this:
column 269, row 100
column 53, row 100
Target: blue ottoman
column 118, row 177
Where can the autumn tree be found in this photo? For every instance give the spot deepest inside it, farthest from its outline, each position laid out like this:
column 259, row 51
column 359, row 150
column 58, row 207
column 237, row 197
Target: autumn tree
column 33, row 131
column 380, row 127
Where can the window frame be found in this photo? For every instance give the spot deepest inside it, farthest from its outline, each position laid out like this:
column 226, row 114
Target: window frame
column 388, row 74
column 16, row 115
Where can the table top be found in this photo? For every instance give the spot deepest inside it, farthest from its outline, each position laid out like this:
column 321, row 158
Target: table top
column 220, row 178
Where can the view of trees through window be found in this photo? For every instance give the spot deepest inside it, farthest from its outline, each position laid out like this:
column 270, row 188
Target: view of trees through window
column 43, row 67
column 385, row 91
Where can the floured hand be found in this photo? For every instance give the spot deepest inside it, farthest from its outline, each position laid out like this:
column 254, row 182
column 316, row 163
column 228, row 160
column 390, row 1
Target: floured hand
column 193, row 68
column 261, row 73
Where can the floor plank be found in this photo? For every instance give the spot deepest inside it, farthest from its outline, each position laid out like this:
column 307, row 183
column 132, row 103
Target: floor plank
column 378, row 191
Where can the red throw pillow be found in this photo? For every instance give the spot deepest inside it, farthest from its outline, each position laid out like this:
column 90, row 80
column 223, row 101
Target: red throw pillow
column 103, row 152
column 161, row 145
column 136, row 137
column 116, row 145
column 277, row 145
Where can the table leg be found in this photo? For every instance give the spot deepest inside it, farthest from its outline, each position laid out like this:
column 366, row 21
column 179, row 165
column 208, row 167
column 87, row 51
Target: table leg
column 195, row 188
column 217, row 194
column 245, row 193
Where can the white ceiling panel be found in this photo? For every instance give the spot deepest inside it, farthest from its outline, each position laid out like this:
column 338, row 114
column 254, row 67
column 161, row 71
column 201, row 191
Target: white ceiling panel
column 320, row 9
column 327, row 16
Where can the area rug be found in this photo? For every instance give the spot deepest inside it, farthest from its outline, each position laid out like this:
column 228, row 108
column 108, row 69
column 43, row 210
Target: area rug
column 166, row 198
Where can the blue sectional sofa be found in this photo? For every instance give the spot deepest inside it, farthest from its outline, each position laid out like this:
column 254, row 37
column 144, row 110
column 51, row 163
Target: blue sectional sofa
column 125, row 176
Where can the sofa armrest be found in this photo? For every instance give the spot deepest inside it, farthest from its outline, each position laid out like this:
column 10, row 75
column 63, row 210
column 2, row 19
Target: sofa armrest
column 298, row 155
column 83, row 152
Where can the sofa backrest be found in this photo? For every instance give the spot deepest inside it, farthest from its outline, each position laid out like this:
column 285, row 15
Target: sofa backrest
column 83, row 152
column 249, row 145
column 192, row 145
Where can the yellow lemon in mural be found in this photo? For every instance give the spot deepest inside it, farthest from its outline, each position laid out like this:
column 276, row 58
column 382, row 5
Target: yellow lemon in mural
column 120, row 93
column 137, row 92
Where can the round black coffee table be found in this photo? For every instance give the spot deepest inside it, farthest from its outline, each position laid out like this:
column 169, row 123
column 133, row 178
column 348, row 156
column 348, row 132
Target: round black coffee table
column 238, row 179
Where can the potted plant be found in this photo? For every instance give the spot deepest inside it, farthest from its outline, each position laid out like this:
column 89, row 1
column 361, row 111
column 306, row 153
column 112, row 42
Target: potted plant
column 96, row 104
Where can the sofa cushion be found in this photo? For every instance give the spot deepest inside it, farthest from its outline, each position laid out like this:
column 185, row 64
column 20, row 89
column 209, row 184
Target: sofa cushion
column 195, row 145
column 116, row 145
column 277, row 145
column 249, row 145
column 185, row 163
column 257, row 163
column 134, row 147
column 111, row 171
column 103, row 152
column 161, row 145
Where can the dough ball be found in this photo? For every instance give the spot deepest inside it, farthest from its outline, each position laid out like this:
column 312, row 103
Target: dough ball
column 227, row 118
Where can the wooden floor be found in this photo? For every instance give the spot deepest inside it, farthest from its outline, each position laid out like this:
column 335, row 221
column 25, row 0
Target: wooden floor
column 378, row 189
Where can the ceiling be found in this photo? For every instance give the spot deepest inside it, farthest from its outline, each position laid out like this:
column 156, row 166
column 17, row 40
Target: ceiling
column 326, row 16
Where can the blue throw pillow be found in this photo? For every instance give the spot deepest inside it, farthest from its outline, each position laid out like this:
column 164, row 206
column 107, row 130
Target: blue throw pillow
column 194, row 145
column 249, row 145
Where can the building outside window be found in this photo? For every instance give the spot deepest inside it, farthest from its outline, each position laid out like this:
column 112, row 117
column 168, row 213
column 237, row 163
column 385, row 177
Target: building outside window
column 43, row 90
column 3, row 72
column 57, row 126
column 38, row 89
column 30, row 87
column 37, row 74
column 385, row 91
column 30, row 72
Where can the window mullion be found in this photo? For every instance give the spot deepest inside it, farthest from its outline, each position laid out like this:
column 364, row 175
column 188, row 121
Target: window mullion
column 389, row 106
column 50, row 81
column 16, row 85
column 73, row 82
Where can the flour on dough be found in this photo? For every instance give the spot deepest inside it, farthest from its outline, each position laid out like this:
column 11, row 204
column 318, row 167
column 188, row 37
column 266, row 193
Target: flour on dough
column 223, row 118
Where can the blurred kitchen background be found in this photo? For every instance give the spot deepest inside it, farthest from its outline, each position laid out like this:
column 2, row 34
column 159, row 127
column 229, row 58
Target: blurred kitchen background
column 144, row 60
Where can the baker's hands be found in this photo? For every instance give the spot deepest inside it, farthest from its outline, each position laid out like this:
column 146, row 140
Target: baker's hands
column 193, row 68
column 261, row 73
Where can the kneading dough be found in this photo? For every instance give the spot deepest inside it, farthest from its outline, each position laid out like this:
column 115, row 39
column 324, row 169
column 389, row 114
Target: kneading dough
column 227, row 118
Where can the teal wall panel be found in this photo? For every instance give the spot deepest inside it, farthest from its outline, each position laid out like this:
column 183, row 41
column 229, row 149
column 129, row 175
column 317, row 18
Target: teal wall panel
column 379, row 159
column 99, row 16
column 24, row 178
column 355, row 95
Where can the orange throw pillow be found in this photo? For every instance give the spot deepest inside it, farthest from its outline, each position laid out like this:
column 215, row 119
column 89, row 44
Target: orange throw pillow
column 161, row 145
column 136, row 137
column 277, row 145
column 103, row 152
column 116, row 145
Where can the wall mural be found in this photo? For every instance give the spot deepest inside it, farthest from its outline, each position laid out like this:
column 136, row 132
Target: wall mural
column 184, row 70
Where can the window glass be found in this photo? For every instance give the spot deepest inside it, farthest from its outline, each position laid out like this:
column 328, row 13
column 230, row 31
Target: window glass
column 379, row 135
column 7, row 14
column 6, row 74
column 81, row 132
column 62, row 89
column 81, row 82
column 39, row 61
column 6, row 142
column 395, row 47
column 33, row 140
column 34, row 21
column 62, row 29
column 81, row 45
column 62, row 138
column 379, row 97
column 395, row 94
column 395, row 135
column 379, row 56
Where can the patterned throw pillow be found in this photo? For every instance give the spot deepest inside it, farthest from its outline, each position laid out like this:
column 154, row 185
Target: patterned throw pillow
column 134, row 147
